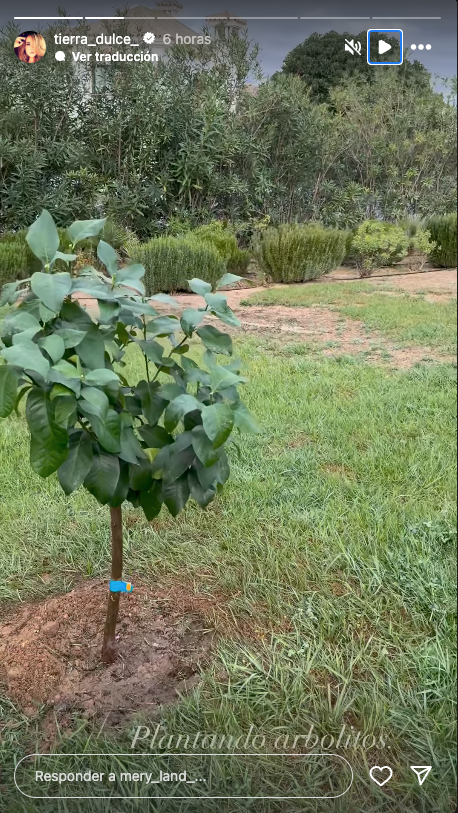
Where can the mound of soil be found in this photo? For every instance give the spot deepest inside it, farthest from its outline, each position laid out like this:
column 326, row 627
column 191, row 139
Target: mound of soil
column 50, row 654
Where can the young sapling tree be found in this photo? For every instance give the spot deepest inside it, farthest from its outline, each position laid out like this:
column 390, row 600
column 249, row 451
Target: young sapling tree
column 153, row 442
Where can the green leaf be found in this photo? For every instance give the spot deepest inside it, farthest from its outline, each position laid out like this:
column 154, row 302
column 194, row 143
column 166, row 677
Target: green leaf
column 227, row 279
column 130, row 277
column 202, row 498
column 101, row 377
column 91, row 350
column 176, row 494
column 178, row 408
column 133, row 405
column 98, row 400
column 131, row 450
column 65, row 368
column 171, row 391
column 155, row 437
column 151, row 501
column 74, row 471
column 163, row 326
column 8, row 292
column 166, row 299
column 95, row 288
column 103, row 476
column 43, row 238
column 179, row 461
column 152, row 403
column 193, row 374
column 27, row 356
column 57, row 377
column 46, row 315
column 152, row 350
column 49, row 441
column 137, row 308
column 66, row 258
column 218, row 421
column 81, row 229
column 244, row 420
column 70, row 338
column 209, row 475
column 107, row 311
column 190, row 318
column 24, row 337
column 218, row 306
column 108, row 429
column 75, row 316
column 20, row 321
column 122, row 486
column 54, row 347
column 9, row 383
column 198, row 286
column 51, row 289
column 203, row 447
column 215, row 340
column 107, row 255
column 141, row 475
column 65, row 409
column 221, row 379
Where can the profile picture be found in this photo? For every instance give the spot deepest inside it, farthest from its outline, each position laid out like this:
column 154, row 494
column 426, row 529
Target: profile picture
column 29, row 46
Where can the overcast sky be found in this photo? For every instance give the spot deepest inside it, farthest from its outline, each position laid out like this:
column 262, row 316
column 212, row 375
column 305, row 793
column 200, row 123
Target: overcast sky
column 277, row 37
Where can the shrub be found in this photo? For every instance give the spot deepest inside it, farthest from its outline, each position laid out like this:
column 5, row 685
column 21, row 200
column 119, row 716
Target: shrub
column 170, row 261
column 443, row 232
column 225, row 242
column 301, row 252
column 16, row 259
column 249, row 232
column 378, row 245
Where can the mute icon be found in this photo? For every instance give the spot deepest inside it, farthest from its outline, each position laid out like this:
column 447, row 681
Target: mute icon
column 422, row 772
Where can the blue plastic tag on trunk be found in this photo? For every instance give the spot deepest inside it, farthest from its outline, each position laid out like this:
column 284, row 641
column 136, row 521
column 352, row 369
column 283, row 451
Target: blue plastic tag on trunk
column 121, row 587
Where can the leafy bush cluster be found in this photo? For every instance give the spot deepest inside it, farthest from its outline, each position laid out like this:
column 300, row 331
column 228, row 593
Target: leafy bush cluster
column 299, row 253
column 86, row 420
column 377, row 244
column 444, row 232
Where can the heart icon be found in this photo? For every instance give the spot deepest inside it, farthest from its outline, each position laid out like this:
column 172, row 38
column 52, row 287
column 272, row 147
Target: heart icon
column 376, row 774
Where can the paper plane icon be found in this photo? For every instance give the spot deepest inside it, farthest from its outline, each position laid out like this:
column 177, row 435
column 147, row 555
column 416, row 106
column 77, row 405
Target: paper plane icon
column 422, row 772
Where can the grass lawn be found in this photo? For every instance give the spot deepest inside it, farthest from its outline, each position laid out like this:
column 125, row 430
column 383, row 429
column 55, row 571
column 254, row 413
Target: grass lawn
column 336, row 531
column 403, row 318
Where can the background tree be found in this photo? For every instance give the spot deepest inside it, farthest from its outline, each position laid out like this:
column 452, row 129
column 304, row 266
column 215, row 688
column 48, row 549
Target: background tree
column 322, row 62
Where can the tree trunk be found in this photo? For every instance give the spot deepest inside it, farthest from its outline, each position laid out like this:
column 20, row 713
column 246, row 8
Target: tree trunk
column 109, row 649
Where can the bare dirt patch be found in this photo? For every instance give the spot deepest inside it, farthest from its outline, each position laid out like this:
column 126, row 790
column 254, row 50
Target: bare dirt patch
column 333, row 334
column 438, row 286
column 50, row 653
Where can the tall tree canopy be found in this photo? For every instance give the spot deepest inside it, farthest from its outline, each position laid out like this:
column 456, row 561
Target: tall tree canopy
column 322, row 62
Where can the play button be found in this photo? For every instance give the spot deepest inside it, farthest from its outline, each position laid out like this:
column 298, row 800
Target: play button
column 383, row 47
